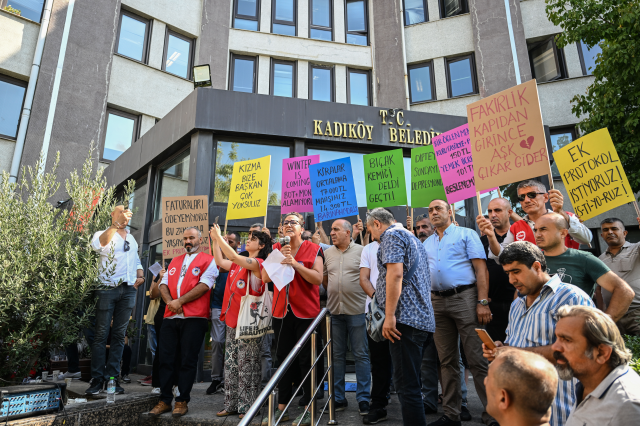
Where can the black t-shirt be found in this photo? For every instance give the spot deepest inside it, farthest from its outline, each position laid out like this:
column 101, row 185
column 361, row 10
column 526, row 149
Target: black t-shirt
column 500, row 290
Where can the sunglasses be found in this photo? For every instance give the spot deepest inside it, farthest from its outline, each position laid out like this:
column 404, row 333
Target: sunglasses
column 531, row 195
column 127, row 246
column 290, row 222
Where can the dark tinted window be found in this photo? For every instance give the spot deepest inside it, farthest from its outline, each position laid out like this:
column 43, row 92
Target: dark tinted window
column 559, row 139
column 173, row 181
column 453, row 7
column 11, row 99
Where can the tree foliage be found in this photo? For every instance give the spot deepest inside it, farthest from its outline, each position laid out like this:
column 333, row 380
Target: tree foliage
column 613, row 100
column 48, row 270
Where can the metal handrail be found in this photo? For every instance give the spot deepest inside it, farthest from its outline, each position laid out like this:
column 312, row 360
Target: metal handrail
column 268, row 392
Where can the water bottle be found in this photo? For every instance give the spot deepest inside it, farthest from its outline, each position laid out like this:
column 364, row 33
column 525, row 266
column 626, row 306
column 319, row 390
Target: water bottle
column 111, row 391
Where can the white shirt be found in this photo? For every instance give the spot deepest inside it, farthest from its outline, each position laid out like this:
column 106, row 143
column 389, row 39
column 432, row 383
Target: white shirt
column 208, row 278
column 123, row 266
column 369, row 260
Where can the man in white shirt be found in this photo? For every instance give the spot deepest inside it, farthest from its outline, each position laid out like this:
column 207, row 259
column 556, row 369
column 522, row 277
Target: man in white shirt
column 121, row 274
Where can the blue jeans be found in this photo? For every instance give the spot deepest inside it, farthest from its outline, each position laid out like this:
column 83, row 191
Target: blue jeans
column 406, row 355
column 354, row 326
column 114, row 304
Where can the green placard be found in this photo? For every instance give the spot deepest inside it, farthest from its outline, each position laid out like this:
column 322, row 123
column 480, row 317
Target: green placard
column 426, row 182
column 384, row 179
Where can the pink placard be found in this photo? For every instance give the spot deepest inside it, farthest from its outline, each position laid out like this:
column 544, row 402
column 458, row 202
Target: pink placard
column 296, row 186
column 453, row 152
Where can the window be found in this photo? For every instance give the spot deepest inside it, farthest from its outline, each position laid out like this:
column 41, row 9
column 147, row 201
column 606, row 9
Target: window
column 588, row 57
column 461, row 76
column 321, row 83
column 283, row 78
column 133, row 37
column 30, row 9
column 320, row 19
column 358, row 87
column 12, row 98
column 136, row 204
column 178, row 55
column 421, row 87
column 283, row 17
column 173, row 181
column 415, row 11
column 243, row 74
column 547, row 61
column 245, row 14
column 122, row 131
column 561, row 137
column 450, row 8
column 357, row 22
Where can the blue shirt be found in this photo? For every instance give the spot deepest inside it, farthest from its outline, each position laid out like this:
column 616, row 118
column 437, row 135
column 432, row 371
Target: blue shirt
column 217, row 294
column 536, row 326
column 397, row 245
column 450, row 257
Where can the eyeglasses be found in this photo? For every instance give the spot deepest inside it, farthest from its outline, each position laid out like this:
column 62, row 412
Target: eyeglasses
column 531, row 195
column 127, row 246
column 290, row 222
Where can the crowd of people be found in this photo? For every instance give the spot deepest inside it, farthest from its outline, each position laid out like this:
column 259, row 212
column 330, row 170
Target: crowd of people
column 555, row 314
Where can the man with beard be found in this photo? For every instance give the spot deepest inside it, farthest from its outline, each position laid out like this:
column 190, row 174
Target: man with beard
column 532, row 320
column 185, row 288
column 589, row 347
column 423, row 227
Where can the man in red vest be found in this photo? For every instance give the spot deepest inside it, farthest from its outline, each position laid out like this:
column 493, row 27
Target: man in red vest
column 186, row 289
column 533, row 196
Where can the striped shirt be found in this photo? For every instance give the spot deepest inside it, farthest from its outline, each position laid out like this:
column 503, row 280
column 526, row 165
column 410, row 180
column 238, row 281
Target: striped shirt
column 536, row 326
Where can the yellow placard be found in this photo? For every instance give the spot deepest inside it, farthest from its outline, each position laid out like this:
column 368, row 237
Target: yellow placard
column 592, row 174
column 249, row 193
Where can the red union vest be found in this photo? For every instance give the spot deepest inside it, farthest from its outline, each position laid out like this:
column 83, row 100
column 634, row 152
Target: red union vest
column 304, row 298
column 522, row 231
column 196, row 308
column 236, row 287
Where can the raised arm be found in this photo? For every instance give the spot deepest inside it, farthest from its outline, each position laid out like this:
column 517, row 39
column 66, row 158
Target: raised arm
column 232, row 255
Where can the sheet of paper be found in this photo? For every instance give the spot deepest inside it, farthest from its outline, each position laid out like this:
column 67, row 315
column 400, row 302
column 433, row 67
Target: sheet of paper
column 280, row 274
column 155, row 269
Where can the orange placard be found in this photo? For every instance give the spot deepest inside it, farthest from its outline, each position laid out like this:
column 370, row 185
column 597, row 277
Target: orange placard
column 179, row 213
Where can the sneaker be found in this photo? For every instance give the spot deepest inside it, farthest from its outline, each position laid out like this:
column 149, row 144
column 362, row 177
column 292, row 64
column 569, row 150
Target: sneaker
column 145, row 379
column 147, row 382
column 156, row 391
column 302, row 420
column 341, row 406
column 429, row 410
column 376, row 415
column 363, row 406
column 445, row 421
column 176, row 391
column 95, row 387
column 392, row 389
column 465, row 415
column 276, row 416
column 69, row 375
column 119, row 389
column 213, row 387
column 125, row 378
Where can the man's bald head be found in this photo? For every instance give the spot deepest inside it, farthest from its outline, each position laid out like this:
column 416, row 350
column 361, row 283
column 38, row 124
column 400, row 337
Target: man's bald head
column 550, row 231
column 557, row 219
column 502, row 202
column 499, row 210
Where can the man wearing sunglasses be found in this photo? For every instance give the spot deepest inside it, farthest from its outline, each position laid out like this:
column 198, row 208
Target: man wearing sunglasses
column 533, row 196
column 121, row 275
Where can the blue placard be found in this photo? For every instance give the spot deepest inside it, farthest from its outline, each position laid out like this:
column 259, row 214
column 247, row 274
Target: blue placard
column 333, row 190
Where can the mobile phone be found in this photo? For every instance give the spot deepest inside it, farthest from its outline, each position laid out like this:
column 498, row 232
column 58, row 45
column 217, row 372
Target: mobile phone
column 486, row 339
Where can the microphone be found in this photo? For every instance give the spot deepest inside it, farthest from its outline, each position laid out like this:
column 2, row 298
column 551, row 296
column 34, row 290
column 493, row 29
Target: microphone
column 285, row 241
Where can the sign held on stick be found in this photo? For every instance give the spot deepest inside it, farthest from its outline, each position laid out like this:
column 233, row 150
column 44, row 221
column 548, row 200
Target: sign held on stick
column 249, row 193
column 296, row 185
column 178, row 214
column 384, row 179
column 333, row 190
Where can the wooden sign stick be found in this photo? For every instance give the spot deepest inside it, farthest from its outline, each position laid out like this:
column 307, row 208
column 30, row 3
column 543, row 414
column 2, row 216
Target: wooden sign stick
column 479, row 203
column 635, row 204
column 499, row 193
column 225, row 226
column 453, row 212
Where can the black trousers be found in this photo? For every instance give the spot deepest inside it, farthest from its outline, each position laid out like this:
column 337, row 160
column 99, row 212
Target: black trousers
column 497, row 328
column 188, row 335
column 287, row 333
column 155, row 372
column 381, row 370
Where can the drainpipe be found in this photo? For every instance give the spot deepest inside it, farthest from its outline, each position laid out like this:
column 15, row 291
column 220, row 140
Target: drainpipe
column 31, row 88
column 404, row 58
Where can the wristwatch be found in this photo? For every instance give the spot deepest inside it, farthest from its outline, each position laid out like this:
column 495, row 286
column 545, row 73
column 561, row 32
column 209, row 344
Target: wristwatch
column 483, row 302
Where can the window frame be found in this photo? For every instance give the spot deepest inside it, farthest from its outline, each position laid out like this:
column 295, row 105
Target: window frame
column 369, row 91
column 474, row 74
column 157, row 193
column 134, row 137
column 20, row 83
column 319, row 27
column 233, row 66
column 366, row 21
column 192, row 49
column 147, row 35
column 294, row 76
column 557, row 131
column 580, row 46
column 295, row 17
column 333, row 80
column 428, row 64
column 5, row 3
column 465, row 9
column 558, row 55
column 236, row 15
column 404, row 14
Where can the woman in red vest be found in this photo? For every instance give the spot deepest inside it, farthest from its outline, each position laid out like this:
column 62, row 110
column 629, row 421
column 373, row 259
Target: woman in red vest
column 296, row 305
column 242, row 385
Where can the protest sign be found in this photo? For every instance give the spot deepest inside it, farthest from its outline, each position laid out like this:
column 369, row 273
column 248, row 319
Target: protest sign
column 592, row 174
column 296, row 186
column 333, row 190
column 456, row 165
column 384, row 179
column 179, row 213
column 426, row 182
column 249, row 194
column 507, row 138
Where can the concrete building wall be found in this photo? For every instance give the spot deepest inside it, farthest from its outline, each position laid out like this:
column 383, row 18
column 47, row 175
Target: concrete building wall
column 536, row 23
column 213, row 46
column 438, row 38
column 555, row 100
column 184, row 15
column 17, row 45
